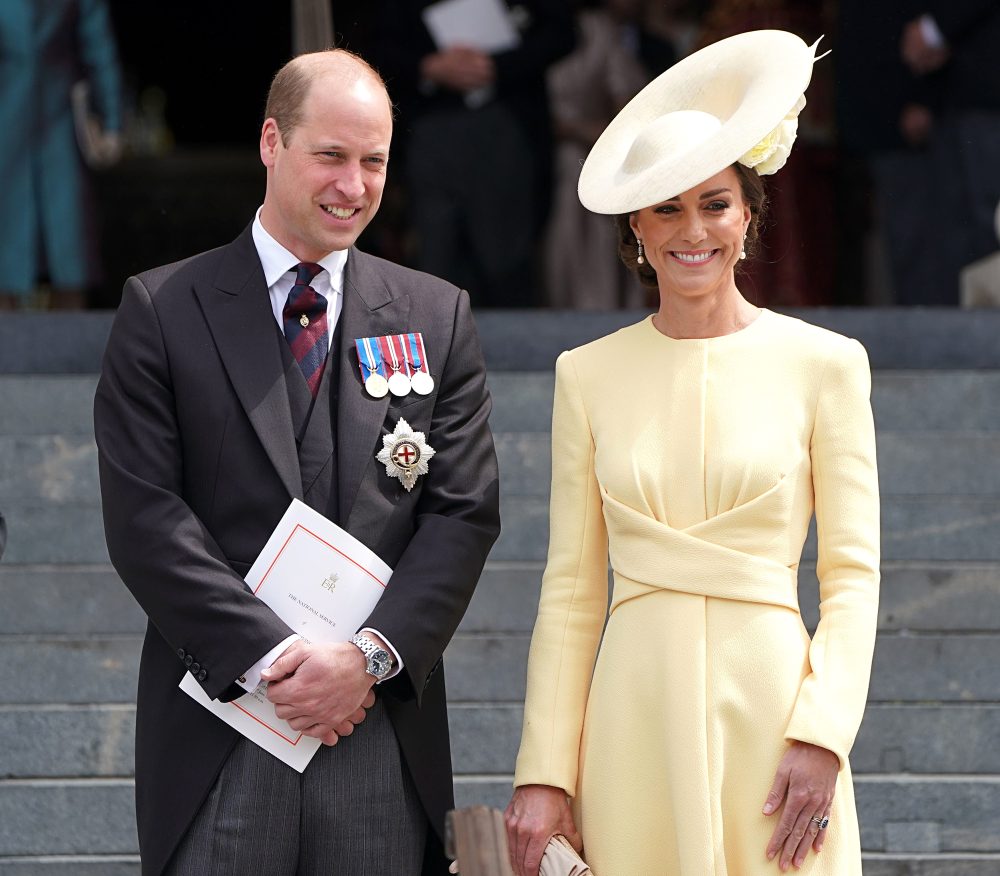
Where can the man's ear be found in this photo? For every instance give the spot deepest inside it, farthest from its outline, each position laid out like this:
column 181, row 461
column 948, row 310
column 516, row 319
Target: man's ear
column 270, row 142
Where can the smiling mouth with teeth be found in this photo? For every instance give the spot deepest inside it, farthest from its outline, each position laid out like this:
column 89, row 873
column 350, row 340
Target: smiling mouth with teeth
column 694, row 258
column 340, row 212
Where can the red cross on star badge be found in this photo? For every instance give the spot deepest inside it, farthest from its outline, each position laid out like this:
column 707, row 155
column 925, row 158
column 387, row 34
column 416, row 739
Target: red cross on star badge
column 405, row 454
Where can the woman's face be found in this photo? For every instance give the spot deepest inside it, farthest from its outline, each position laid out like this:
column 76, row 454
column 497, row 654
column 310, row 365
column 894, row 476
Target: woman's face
column 693, row 241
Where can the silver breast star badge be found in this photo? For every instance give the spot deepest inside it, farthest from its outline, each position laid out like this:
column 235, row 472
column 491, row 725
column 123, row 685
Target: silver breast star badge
column 405, row 454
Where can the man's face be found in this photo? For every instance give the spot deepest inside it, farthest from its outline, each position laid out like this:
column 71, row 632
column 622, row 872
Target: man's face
column 325, row 185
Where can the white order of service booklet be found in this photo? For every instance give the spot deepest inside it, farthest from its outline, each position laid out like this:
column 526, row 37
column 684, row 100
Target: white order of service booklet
column 479, row 24
column 323, row 583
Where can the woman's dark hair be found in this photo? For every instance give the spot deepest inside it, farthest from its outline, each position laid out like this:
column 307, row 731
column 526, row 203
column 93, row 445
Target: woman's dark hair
column 752, row 189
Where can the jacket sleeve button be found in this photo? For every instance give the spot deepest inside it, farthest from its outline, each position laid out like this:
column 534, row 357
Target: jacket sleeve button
column 201, row 676
column 181, row 653
column 188, row 660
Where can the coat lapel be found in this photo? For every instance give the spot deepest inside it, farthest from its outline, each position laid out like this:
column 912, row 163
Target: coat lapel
column 370, row 309
column 239, row 316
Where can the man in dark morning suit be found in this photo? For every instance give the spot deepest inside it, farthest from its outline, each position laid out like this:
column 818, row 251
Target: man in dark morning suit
column 476, row 212
column 952, row 46
column 207, row 426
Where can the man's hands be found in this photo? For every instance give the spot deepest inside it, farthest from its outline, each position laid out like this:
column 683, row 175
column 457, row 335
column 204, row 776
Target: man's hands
column 915, row 124
column 535, row 814
column 321, row 690
column 459, row 68
column 805, row 782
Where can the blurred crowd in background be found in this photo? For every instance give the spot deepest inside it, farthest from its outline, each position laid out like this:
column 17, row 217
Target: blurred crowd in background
column 131, row 131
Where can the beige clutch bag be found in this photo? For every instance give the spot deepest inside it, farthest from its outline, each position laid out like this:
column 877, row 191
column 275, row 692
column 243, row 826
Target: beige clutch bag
column 561, row 859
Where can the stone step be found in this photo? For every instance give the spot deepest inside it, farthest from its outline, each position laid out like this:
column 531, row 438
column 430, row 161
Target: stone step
column 62, row 469
column 900, row 337
column 926, row 596
column 954, row 738
column 906, row 401
column 46, row 533
column 491, row 668
column 910, row 463
column 67, row 817
column 68, row 670
column 928, row 814
column 66, row 600
column 907, row 668
column 900, row 815
column 67, row 741
column 897, row 813
column 913, row 528
column 918, row 597
column 518, row 340
column 71, row 865
column 97, row 741
column 902, row 400
column 53, row 404
column 49, row 468
column 876, row 864
column 932, row 528
column 522, row 402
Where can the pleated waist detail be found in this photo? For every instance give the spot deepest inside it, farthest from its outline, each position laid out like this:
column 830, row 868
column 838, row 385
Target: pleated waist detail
column 647, row 555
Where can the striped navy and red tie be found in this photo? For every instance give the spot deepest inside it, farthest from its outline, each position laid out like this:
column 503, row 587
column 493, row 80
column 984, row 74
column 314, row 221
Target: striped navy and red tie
column 305, row 322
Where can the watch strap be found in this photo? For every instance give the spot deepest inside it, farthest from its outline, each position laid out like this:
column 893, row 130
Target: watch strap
column 369, row 648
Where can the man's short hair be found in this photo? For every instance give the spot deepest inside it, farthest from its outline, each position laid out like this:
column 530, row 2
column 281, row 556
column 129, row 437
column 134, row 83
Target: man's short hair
column 291, row 85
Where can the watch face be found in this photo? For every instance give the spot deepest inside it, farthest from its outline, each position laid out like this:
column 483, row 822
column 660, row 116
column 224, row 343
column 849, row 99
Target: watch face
column 380, row 662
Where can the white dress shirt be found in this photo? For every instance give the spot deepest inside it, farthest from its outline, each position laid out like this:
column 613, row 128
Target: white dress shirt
column 278, row 264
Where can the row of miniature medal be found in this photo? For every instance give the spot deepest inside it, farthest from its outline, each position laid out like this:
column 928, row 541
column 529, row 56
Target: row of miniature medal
column 403, row 357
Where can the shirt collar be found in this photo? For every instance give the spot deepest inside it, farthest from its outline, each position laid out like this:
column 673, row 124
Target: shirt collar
column 276, row 260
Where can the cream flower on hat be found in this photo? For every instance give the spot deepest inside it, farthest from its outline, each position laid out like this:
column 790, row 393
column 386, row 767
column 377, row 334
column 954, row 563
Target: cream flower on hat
column 735, row 100
column 771, row 153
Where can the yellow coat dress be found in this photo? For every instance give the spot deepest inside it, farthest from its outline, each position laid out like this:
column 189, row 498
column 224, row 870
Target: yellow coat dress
column 696, row 465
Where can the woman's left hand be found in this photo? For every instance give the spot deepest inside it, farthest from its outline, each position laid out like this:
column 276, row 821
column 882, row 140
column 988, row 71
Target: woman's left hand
column 805, row 782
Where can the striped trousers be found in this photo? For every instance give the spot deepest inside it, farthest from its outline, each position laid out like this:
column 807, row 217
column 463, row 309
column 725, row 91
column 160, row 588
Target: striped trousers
column 353, row 811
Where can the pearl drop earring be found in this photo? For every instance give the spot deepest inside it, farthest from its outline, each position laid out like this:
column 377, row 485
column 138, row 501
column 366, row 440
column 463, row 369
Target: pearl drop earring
column 640, row 260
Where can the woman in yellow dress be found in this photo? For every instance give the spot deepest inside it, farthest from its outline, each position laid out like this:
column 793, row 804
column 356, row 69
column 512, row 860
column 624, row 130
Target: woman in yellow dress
column 707, row 733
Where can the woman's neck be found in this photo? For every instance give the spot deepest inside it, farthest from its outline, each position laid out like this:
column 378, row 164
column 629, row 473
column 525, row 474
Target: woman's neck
column 706, row 316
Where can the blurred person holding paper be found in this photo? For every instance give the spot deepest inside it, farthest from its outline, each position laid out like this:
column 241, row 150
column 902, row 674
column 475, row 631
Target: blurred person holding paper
column 951, row 47
column 469, row 76
column 287, row 365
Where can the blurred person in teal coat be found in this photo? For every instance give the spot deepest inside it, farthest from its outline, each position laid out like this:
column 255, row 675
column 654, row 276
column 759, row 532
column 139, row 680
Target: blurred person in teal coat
column 46, row 213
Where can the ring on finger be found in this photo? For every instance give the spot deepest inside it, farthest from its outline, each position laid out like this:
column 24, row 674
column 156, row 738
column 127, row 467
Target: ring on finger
column 821, row 822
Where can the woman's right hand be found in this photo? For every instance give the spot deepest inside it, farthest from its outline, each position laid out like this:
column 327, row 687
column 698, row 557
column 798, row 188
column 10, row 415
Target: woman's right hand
column 535, row 814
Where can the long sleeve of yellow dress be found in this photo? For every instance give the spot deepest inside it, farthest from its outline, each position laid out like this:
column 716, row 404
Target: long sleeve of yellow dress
column 573, row 602
column 832, row 697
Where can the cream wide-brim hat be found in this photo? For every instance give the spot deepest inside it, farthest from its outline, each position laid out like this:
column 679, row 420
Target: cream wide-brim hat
column 697, row 118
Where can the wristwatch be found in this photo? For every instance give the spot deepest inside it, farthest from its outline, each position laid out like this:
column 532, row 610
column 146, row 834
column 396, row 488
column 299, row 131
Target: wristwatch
column 379, row 660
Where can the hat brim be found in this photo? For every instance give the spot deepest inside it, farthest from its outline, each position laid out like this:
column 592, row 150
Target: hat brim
column 749, row 82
